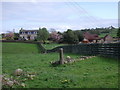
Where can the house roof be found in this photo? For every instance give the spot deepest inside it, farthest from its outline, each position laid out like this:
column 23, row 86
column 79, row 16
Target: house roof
column 106, row 36
column 28, row 30
column 89, row 36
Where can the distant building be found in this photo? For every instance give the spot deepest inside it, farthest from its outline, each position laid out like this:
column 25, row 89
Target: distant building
column 28, row 34
column 91, row 37
column 94, row 38
column 108, row 39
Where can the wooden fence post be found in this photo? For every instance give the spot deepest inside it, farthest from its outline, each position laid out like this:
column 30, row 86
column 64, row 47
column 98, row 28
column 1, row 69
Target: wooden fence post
column 61, row 56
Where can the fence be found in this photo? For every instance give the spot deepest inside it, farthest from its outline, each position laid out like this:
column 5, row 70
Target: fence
column 108, row 50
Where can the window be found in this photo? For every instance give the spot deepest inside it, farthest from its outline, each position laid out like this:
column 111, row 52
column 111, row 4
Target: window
column 32, row 32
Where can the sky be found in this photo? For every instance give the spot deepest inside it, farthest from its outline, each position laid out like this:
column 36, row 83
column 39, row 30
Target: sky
column 58, row 15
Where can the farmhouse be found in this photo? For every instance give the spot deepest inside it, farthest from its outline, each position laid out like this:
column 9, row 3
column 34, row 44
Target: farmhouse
column 94, row 38
column 28, row 34
column 91, row 37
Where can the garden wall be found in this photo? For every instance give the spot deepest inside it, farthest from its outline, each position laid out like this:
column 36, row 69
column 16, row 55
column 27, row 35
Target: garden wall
column 109, row 50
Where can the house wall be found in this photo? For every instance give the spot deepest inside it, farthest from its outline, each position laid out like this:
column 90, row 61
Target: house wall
column 101, row 41
column 25, row 36
column 108, row 39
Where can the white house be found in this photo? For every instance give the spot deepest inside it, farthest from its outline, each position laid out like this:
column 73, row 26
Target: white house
column 28, row 34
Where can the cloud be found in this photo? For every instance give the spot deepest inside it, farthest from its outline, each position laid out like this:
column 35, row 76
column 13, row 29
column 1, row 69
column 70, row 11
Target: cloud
column 61, row 16
column 40, row 12
column 34, row 1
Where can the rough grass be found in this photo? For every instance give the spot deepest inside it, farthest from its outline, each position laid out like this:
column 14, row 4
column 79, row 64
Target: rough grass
column 19, row 48
column 96, row 72
column 52, row 45
column 112, row 33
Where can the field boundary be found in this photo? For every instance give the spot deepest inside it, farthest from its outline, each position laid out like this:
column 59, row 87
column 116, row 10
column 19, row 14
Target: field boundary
column 107, row 50
column 111, row 50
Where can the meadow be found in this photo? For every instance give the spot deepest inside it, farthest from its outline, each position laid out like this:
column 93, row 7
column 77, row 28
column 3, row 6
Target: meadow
column 112, row 33
column 96, row 72
column 51, row 46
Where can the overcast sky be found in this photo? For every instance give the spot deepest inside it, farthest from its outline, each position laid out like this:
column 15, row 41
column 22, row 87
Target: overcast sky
column 58, row 15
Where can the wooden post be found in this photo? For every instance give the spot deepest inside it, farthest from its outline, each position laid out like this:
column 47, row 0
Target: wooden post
column 61, row 56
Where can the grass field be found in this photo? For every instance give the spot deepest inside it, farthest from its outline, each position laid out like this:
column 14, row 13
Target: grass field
column 96, row 72
column 112, row 33
column 52, row 45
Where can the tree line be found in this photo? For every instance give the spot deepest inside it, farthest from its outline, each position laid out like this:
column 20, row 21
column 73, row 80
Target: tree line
column 70, row 36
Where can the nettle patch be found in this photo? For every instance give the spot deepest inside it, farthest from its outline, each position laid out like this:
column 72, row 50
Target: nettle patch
column 18, row 78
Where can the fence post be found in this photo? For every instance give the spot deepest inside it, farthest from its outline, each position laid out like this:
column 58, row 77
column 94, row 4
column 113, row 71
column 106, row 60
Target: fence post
column 61, row 56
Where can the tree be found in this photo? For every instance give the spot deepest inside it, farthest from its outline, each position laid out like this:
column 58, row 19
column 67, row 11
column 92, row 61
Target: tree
column 118, row 32
column 3, row 35
column 54, row 36
column 9, row 35
column 70, row 37
column 16, row 36
column 79, row 34
column 43, row 35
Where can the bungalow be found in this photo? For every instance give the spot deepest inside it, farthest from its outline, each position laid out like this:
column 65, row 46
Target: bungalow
column 28, row 34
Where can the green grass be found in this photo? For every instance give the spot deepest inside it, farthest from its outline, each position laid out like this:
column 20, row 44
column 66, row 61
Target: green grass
column 19, row 48
column 96, row 72
column 51, row 46
column 112, row 33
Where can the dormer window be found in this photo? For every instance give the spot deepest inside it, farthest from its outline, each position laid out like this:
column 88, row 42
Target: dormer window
column 34, row 32
column 29, row 32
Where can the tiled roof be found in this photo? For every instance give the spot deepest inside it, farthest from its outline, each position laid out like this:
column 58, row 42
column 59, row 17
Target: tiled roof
column 89, row 36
